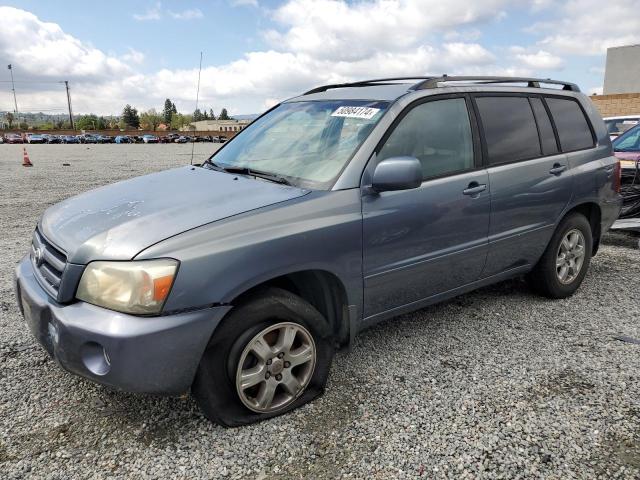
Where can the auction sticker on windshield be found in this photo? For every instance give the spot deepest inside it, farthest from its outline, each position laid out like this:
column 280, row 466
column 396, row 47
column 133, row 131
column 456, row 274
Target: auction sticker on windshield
column 366, row 113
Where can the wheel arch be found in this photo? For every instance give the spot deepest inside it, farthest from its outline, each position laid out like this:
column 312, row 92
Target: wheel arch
column 321, row 288
column 593, row 213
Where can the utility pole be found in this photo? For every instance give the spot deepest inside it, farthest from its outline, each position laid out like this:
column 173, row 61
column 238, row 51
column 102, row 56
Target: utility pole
column 13, row 89
column 66, row 84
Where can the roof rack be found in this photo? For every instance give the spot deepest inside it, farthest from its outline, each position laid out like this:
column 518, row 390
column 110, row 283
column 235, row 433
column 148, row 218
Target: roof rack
column 364, row 83
column 432, row 82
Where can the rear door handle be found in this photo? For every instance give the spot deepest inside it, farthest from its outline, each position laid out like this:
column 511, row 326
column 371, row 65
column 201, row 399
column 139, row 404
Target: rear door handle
column 474, row 188
column 557, row 169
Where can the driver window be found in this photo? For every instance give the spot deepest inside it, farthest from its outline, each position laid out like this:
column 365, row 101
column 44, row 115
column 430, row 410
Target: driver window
column 438, row 133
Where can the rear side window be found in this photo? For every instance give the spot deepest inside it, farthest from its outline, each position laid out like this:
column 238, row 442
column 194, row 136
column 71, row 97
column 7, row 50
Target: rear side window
column 509, row 129
column 547, row 137
column 571, row 124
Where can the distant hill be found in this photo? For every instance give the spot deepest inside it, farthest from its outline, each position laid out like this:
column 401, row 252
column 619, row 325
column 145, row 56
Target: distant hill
column 250, row 116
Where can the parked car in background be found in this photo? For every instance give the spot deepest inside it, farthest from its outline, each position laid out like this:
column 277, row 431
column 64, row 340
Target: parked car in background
column 627, row 147
column 123, row 139
column 618, row 125
column 169, row 138
column 13, row 138
column 88, row 138
column 1, row 139
column 150, row 139
column 337, row 209
column 35, row 138
column 181, row 139
column 69, row 139
column 105, row 139
column 219, row 139
column 52, row 138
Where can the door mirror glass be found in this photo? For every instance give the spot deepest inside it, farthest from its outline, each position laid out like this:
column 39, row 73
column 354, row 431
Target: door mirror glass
column 397, row 173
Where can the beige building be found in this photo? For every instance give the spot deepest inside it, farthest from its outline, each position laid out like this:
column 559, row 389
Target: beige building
column 217, row 125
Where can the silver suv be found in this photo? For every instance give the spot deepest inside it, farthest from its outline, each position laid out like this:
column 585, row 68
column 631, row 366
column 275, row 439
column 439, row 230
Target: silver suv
column 334, row 210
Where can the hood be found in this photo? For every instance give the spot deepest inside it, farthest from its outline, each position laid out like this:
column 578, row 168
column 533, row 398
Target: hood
column 117, row 221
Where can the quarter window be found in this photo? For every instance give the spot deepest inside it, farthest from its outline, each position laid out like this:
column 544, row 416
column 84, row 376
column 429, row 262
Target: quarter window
column 571, row 124
column 438, row 133
column 509, row 129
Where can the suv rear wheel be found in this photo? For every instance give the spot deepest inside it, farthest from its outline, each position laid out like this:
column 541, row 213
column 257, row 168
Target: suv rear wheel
column 565, row 262
column 271, row 355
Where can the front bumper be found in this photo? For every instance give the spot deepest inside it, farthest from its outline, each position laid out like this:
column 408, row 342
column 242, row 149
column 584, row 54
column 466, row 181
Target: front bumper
column 126, row 352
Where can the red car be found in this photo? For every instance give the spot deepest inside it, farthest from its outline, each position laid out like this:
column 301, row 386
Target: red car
column 13, row 138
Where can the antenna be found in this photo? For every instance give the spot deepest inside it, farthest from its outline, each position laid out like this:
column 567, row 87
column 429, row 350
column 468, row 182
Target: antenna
column 193, row 144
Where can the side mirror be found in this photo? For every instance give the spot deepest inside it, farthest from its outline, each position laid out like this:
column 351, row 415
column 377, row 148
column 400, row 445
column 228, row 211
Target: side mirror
column 397, row 173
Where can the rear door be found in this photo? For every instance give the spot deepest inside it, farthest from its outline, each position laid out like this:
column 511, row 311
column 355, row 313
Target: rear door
column 531, row 183
column 422, row 242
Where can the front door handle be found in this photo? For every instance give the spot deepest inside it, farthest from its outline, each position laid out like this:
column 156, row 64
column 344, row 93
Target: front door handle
column 557, row 169
column 474, row 188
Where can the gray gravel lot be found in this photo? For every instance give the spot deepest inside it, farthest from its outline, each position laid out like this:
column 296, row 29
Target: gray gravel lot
column 498, row 383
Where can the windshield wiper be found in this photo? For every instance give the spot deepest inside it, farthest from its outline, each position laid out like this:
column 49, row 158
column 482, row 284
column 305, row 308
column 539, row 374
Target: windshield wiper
column 249, row 171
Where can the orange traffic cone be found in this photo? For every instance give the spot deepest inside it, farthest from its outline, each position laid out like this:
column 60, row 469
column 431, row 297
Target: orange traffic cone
column 25, row 159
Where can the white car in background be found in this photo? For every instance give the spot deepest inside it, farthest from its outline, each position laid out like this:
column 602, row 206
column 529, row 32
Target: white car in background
column 618, row 125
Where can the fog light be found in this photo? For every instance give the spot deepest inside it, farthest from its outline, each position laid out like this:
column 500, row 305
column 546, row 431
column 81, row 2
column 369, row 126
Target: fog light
column 95, row 358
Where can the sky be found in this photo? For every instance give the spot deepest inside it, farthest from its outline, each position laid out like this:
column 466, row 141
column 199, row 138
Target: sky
column 258, row 52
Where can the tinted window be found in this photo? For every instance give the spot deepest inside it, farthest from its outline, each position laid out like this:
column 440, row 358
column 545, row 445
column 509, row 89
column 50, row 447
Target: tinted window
column 572, row 126
column 547, row 138
column 438, row 134
column 509, row 128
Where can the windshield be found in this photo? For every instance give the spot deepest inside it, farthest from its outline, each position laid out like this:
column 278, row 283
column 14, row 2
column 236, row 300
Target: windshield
column 628, row 141
column 307, row 143
column 617, row 126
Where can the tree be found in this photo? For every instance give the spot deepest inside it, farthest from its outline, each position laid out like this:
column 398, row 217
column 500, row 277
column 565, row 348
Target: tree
column 224, row 115
column 179, row 120
column 212, row 116
column 130, row 116
column 205, row 115
column 10, row 119
column 151, row 119
column 197, row 115
column 87, row 122
column 168, row 110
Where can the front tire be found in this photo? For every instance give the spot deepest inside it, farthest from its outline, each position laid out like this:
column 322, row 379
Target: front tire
column 270, row 355
column 565, row 262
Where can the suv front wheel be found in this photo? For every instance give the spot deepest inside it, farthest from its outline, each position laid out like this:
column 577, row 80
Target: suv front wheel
column 270, row 355
column 565, row 262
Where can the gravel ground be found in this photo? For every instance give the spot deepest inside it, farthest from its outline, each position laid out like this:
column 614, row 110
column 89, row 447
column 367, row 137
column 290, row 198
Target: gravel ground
column 494, row 384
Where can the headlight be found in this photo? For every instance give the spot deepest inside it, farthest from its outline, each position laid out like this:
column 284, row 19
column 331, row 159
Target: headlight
column 130, row 287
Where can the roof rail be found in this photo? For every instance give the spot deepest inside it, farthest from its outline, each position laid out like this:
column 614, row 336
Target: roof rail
column 363, row 83
column 531, row 82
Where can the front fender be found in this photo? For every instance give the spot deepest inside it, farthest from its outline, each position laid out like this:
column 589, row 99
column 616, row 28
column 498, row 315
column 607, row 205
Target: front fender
column 219, row 261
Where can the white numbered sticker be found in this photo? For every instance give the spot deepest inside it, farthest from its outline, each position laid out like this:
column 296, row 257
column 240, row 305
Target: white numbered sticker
column 366, row 113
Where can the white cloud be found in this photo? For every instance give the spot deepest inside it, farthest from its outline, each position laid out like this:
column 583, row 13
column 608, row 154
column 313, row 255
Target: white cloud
column 189, row 14
column 589, row 27
column 313, row 42
column 133, row 56
column 541, row 60
column 338, row 30
column 152, row 13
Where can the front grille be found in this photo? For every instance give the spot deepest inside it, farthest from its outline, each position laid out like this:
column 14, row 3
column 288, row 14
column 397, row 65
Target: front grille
column 48, row 262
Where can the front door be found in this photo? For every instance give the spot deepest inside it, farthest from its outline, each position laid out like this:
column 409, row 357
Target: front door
column 423, row 242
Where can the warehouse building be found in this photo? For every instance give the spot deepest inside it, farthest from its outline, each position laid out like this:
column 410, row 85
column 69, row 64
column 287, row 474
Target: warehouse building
column 621, row 91
column 218, row 125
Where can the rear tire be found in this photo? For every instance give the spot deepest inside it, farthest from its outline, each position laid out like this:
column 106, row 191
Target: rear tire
column 565, row 262
column 236, row 352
